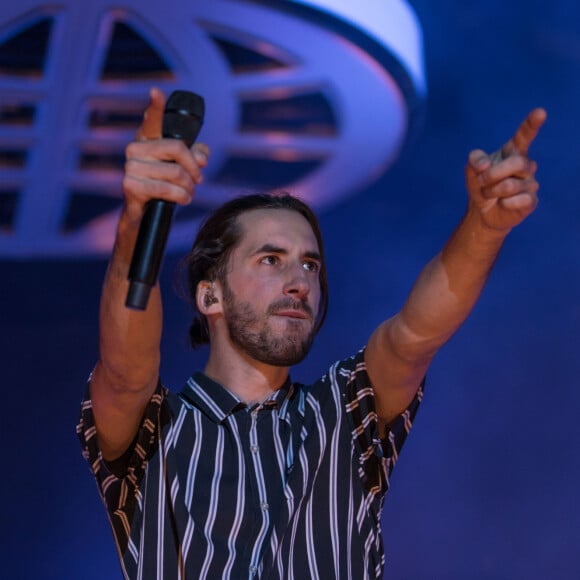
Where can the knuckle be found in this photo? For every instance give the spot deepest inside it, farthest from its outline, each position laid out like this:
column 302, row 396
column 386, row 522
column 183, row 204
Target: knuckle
column 183, row 196
column 131, row 188
column 489, row 193
column 523, row 163
column 517, row 163
column 176, row 147
column 127, row 183
column 130, row 165
column 159, row 189
column 130, row 150
column 174, row 171
column 180, row 176
column 512, row 186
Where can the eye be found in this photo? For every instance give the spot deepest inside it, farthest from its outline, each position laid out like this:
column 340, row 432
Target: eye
column 311, row 266
column 269, row 260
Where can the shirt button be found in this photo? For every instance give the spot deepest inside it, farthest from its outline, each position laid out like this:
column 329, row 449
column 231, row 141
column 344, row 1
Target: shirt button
column 254, row 449
column 253, row 570
column 264, row 505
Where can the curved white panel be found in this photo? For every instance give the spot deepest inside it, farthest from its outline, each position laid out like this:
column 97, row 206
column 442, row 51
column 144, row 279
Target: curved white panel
column 313, row 96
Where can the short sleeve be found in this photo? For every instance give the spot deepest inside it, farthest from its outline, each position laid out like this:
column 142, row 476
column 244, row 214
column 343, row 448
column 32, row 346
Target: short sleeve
column 119, row 490
column 376, row 456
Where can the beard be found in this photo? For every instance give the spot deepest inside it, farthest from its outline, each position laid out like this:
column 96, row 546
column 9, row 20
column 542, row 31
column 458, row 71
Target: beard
column 251, row 332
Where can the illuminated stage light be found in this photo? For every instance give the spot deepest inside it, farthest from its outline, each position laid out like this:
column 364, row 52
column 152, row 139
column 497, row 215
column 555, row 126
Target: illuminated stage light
column 316, row 97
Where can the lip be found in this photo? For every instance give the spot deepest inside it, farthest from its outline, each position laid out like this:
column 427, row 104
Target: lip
column 292, row 314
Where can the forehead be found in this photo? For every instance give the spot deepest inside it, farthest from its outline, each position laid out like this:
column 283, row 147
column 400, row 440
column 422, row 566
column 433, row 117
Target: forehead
column 281, row 227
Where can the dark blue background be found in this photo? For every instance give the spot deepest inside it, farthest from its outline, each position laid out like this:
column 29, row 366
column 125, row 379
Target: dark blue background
column 487, row 485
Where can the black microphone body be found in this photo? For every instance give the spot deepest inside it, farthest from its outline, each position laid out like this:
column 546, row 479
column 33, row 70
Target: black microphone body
column 182, row 120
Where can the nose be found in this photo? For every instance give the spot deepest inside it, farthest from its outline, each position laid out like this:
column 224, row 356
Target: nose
column 297, row 284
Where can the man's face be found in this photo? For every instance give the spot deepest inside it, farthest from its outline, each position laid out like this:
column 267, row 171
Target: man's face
column 272, row 288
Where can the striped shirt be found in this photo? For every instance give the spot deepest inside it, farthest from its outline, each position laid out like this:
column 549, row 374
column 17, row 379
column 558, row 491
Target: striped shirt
column 290, row 488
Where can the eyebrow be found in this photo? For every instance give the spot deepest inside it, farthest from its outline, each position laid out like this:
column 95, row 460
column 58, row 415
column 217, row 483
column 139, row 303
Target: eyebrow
column 272, row 249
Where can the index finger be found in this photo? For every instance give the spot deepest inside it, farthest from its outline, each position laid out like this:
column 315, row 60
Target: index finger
column 152, row 125
column 526, row 132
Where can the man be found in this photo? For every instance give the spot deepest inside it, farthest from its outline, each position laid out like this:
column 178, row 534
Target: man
column 245, row 474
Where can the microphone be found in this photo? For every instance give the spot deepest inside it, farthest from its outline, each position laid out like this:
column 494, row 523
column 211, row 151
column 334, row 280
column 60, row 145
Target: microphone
column 182, row 119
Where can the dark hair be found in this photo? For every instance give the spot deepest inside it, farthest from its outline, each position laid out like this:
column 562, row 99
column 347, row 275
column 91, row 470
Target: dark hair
column 219, row 235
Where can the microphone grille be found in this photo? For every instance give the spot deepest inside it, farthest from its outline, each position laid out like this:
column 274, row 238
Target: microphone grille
column 183, row 116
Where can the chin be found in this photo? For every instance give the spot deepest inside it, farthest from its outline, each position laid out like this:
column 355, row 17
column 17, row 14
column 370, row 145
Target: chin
column 294, row 325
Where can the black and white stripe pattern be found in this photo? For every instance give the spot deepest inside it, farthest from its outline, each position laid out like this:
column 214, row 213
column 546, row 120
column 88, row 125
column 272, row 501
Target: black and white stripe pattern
column 290, row 488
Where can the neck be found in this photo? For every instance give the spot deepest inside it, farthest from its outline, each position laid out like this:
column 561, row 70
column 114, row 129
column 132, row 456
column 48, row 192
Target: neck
column 250, row 380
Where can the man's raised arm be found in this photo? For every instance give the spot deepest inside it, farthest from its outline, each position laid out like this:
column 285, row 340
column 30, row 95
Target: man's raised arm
column 127, row 372
column 502, row 192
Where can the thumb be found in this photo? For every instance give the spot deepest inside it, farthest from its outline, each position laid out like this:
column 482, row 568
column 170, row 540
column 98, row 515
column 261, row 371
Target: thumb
column 152, row 124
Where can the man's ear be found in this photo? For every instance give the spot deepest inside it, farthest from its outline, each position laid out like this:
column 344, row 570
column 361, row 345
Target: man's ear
column 208, row 297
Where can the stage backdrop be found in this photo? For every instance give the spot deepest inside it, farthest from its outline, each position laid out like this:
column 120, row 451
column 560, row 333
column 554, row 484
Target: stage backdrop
column 487, row 485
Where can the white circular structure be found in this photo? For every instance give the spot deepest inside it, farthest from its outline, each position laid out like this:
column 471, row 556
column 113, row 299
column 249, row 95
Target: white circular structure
column 316, row 97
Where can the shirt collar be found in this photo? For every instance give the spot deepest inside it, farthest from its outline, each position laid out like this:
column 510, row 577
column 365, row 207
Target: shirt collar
column 218, row 402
